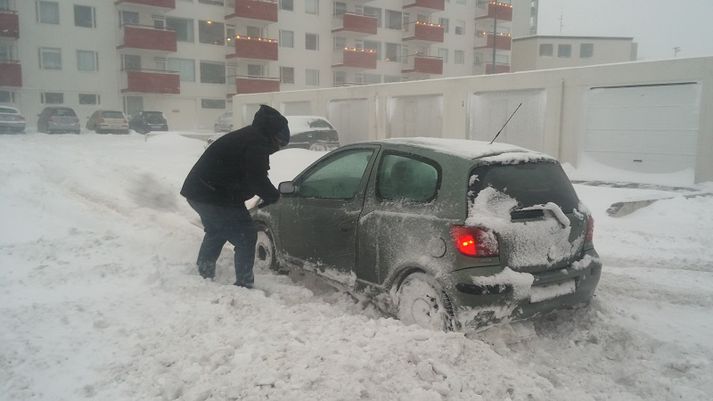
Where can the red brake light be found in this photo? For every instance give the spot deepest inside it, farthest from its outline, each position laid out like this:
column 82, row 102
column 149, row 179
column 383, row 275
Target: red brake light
column 474, row 241
column 589, row 237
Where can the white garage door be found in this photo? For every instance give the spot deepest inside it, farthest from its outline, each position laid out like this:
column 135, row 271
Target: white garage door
column 414, row 116
column 351, row 119
column 650, row 131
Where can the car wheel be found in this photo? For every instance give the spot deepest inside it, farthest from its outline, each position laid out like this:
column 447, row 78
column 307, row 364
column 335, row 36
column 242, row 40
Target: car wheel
column 420, row 300
column 265, row 250
column 318, row 147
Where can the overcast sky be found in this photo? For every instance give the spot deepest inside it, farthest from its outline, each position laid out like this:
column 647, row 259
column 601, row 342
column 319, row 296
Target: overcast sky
column 656, row 25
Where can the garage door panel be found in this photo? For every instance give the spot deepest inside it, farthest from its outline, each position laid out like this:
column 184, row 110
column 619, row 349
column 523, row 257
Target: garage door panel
column 651, row 164
column 666, row 142
column 647, row 96
column 655, row 118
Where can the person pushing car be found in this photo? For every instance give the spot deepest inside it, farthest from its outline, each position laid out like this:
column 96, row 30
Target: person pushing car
column 232, row 170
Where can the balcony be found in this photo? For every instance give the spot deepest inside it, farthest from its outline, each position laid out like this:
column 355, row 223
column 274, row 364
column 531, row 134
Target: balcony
column 152, row 81
column 164, row 5
column 419, row 65
column 253, row 12
column 485, row 40
column 354, row 25
column 424, row 6
column 255, row 84
column 9, row 24
column 137, row 37
column 499, row 68
column 10, row 73
column 423, row 33
column 251, row 49
column 351, row 58
column 496, row 10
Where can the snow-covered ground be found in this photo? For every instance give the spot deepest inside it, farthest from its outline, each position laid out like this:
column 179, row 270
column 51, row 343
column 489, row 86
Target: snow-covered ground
column 99, row 300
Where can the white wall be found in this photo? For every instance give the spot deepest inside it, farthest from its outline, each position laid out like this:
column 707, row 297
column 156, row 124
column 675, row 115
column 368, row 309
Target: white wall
column 564, row 92
column 525, row 52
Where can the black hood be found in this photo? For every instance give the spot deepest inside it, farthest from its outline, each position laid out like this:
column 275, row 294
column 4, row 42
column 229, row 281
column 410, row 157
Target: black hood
column 271, row 123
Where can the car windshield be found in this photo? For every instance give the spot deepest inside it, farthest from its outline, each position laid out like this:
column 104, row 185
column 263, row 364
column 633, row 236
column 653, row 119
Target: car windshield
column 529, row 184
column 7, row 110
column 64, row 113
column 153, row 116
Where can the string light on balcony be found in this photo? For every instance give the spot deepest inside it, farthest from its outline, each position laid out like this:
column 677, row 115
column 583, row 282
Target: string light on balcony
column 429, row 24
column 497, row 3
column 354, row 49
column 256, row 39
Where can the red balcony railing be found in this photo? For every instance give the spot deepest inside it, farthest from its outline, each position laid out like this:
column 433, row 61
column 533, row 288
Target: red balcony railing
column 10, row 73
column 487, row 40
column 247, row 47
column 152, row 81
column 260, row 11
column 9, row 24
column 424, row 32
column 424, row 6
column 250, row 84
column 355, row 58
column 167, row 4
column 148, row 38
column 355, row 24
column 497, row 10
column 499, row 68
column 424, row 65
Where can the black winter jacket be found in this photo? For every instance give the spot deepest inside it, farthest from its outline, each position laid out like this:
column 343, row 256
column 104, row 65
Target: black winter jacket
column 234, row 168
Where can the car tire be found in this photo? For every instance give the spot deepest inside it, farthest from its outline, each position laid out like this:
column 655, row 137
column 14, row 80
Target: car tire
column 420, row 300
column 265, row 258
column 317, row 147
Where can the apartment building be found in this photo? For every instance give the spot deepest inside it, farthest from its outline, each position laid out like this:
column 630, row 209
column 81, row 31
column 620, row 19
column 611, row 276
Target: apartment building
column 187, row 58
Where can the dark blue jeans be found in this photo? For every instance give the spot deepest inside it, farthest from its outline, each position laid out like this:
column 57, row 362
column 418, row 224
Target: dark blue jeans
column 227, row 224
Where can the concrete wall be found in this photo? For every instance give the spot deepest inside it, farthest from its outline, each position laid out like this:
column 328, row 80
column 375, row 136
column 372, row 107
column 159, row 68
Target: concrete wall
column 563, row 109
column 525, row 52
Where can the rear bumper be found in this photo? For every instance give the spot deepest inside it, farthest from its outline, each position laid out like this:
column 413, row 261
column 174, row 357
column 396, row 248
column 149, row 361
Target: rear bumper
column 479, row 300
column 14, row 126
column 63, row 127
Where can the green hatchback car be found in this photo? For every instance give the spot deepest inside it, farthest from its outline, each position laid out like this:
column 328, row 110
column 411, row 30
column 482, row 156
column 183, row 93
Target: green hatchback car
column 446, row 234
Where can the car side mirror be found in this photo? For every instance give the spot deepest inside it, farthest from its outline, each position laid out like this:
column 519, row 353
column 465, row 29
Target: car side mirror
column 287, row 187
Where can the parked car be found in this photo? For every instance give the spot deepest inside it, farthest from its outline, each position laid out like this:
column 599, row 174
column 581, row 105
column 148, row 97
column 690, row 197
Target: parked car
column 106, row 121
column 11, row 120
column 312, row 132
column 452, row 234
column 224, row 123
column 55, row 119
column 147, row 121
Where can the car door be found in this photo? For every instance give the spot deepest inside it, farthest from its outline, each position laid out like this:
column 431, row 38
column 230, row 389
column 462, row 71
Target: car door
column 318, row 223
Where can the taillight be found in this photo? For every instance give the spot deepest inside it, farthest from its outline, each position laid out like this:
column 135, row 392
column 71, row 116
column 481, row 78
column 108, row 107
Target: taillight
column 474, row 241
column 589, row 236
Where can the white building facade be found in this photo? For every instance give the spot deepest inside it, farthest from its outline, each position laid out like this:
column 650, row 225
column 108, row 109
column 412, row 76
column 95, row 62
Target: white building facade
column 187, row 58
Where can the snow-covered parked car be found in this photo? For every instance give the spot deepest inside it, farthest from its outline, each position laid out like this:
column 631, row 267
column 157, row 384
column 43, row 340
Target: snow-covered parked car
column 312, row 132
column 11, row 120
column 452, row 234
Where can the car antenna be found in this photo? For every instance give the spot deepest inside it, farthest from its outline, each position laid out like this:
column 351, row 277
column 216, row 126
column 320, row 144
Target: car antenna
column 506, row 123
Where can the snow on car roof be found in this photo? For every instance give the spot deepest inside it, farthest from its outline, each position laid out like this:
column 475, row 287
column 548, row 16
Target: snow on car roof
column 299, row 124
column 470, row 149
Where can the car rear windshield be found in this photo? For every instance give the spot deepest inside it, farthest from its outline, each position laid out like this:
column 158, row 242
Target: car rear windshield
column 7, row 110
column 322, row 135
column 64, row 113
column 153, row 116
column 112, row 114
column 529, row 184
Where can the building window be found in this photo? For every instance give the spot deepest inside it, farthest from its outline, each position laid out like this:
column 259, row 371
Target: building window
column 340, row 43
column 459, row 57
column 128, row 18
column 212, row 2
column 7, row 97
column 287, row 39
column 287, row 75
column 312, row 77
column 186, row 68
column 48, row 12
column 375, row 46
column 459, row 28
column 212, row 73
column 373, row 12
column 85, row 16
column 7, row 52
column 87, row 60
column 362, row 78
column 311, row 41
column 586, row 50
column 339, row 78
column 183, row 28
column 546, row 50
column 393, row 52
column 52, row 98
column 213, row 103
column 88, row 98
column 50, row 58
column 443, row 54
column 256, row 70
column 339, row 8
column 131, row 62
column 564, row 51
column 392, row 78
column 312, row 7
column 287, row 5
column 478, row 59
column 444, row 23
column 211, row 32
column 393, row 19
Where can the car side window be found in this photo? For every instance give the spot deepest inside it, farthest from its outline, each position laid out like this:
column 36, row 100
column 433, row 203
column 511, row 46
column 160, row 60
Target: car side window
column 406, row 178
column 338, row 177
